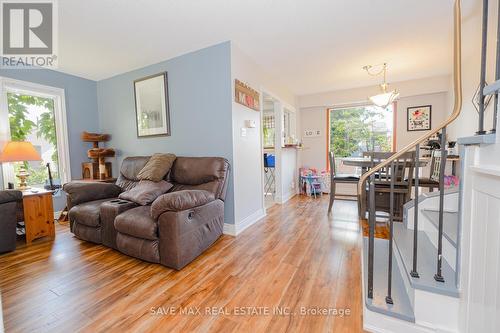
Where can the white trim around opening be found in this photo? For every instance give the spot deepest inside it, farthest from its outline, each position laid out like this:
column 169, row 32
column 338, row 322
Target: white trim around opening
column 34, row 89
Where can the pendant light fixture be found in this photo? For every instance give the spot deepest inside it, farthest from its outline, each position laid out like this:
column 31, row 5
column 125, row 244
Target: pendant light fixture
column 386, row 98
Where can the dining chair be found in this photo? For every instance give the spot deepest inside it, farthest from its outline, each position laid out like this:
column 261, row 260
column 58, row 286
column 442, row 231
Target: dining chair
column 432, row 181
column 403, row 179
column 336, row 178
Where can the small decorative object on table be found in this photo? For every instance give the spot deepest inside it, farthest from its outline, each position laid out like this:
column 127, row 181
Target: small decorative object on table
column 99, row 168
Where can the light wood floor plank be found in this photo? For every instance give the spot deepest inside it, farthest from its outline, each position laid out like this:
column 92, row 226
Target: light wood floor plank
column 297, row 258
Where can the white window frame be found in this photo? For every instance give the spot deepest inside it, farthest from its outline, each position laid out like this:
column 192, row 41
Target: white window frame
column 34, row 89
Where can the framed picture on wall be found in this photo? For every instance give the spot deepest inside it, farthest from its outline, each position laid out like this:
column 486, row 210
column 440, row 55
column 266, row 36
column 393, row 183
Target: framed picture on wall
column 419, row 118
column 151, row 106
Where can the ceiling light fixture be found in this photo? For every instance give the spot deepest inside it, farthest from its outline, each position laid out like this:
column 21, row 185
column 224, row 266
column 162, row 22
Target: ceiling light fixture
column 386, row 98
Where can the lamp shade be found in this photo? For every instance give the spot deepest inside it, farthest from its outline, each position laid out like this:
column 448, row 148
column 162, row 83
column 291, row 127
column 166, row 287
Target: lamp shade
column 383, row 100
column 19, row 151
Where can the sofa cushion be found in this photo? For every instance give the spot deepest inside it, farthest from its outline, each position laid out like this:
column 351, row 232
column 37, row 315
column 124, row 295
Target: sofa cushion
column 137, row 222
column 146, row 191
column 157, row 167
column 201, row 173
column 10, row 196
column 79, row 192
column 179, row 201
column 129, row 169
column 87, row 213
column 141, row 248
column 199, row 170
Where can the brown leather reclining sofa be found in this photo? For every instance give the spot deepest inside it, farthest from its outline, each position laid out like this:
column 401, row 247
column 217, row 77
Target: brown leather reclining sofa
column 176, row 228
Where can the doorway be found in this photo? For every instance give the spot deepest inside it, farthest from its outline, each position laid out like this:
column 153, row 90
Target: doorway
column 269, row 143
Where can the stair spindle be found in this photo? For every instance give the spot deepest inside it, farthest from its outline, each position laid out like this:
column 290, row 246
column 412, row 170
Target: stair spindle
column 414, row 272
column 482, row 82
column 497, row 74
column 388, row 298
column 438, row 276
column 371, row 234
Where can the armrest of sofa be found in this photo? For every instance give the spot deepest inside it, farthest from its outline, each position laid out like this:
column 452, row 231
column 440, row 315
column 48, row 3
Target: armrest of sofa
column 184, row 235
column 80, row 192
column 179, row 201
column 10, row 196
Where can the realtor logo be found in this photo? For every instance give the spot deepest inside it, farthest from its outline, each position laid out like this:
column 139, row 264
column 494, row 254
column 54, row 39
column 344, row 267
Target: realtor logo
column 28, row 33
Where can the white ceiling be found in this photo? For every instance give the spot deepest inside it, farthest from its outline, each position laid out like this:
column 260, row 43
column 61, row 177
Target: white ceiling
column 308, row 45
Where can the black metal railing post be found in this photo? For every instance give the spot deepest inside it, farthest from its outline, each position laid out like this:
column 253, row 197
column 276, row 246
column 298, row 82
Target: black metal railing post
column 414, row 272
column 388, row 298
column 497, row 74
column 438, row 276
column 482, row 81
column 371, row 234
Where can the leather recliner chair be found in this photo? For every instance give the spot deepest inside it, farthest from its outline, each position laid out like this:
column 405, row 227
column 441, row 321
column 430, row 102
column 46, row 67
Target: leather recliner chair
column 174, row 230
column 9, row 205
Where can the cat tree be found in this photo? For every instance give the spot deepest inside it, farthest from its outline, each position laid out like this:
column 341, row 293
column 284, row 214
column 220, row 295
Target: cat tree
column 98, row 169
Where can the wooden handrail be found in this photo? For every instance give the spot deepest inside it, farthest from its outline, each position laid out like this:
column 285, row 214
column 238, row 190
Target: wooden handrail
column 457, row 87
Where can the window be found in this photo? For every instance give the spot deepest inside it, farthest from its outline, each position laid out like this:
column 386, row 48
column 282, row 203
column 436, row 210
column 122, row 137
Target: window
column 268, row 128
column 288, row 127
column 36, row 114
column 354, row 130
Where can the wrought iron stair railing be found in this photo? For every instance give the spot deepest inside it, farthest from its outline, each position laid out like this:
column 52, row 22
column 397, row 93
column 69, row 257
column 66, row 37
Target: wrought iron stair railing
column 494, row 88
column 368, row 180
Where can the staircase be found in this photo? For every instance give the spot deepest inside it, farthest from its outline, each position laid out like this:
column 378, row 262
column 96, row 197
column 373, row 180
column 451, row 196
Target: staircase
column 418, row 300
column 411, row 281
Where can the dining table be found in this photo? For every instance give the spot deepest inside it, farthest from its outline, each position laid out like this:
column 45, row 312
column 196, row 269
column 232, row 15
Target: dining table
column 366, row 162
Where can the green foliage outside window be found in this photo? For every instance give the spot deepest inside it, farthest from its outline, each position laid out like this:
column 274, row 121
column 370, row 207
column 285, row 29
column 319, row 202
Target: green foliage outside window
column 21, row 127
column 352, row 131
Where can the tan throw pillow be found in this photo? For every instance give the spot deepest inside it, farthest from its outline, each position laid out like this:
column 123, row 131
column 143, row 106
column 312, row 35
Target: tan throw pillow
column 146, row 192
column 157, row 167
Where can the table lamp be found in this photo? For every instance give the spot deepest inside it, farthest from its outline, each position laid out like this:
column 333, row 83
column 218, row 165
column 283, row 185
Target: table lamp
column 20, row 151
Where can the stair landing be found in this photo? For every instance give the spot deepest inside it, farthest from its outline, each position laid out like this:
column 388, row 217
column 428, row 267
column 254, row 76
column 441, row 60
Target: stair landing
column 402, row 308
column 426, row 263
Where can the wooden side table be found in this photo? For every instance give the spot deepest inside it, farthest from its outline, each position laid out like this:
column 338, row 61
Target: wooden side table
column 38, row 214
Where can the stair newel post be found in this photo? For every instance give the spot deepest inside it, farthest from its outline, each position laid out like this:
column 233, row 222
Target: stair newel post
column 371, row 234
column 482, row 82
column 388, row 298
column 414, row 272
column 497, row 74
column 438, row 277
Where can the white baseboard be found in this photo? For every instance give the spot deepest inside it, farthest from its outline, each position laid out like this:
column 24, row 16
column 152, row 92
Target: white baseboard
column 238, row 227
column 287, row 197
column 379, row 323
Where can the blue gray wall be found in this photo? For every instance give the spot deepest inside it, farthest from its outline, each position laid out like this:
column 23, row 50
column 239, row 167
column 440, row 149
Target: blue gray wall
column 199, row 87
column 81, row 109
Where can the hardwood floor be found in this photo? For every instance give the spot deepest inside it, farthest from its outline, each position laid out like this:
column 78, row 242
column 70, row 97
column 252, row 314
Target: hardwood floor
column 296, row 259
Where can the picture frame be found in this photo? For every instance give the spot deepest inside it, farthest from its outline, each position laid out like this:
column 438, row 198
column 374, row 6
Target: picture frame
column 247, row 96
column 151, row 106
column 419, row 118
